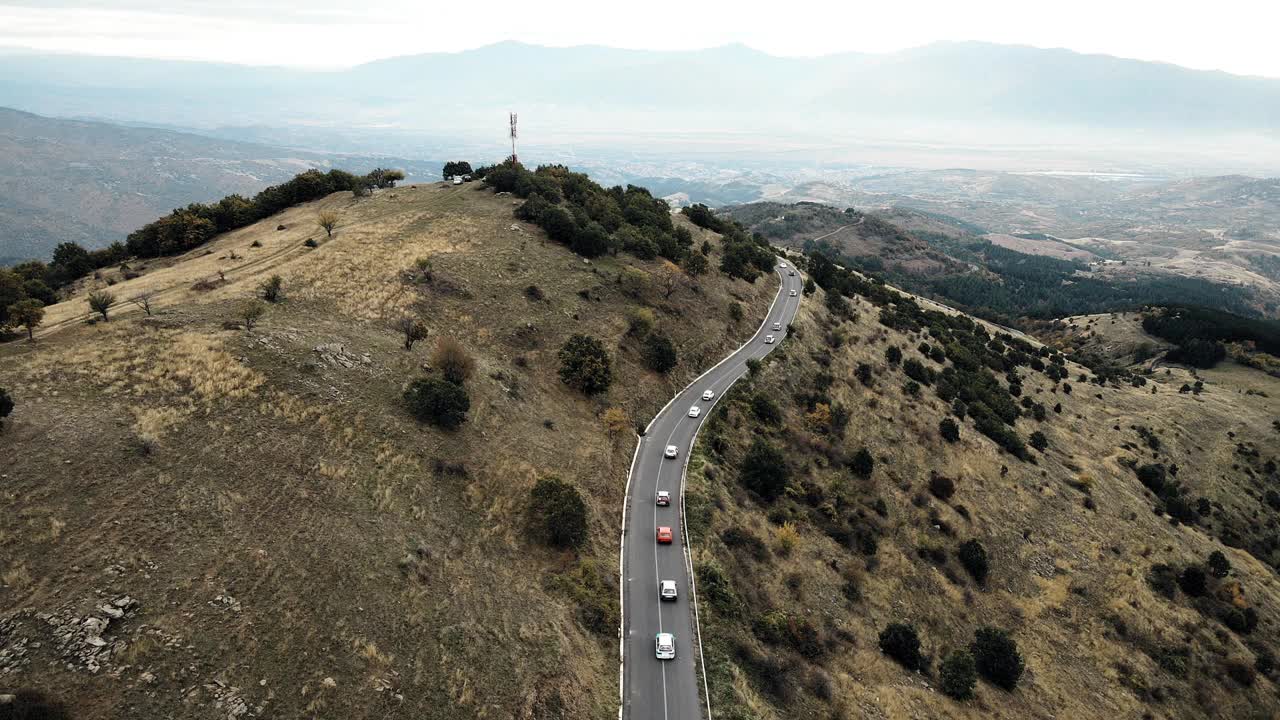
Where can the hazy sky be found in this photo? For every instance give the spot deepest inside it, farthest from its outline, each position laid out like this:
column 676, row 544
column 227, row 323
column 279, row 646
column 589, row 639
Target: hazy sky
column 1233, row 35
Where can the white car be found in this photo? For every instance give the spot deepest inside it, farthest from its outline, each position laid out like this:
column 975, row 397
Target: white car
column 768, row 339
column 793, row 293
column 664, row 498
column 671, row 451
column 708, row 394
column 667, row 590
column 695, row 411
column 665, row 646
column 782, row 265
column 457, row 179
column 777, row 326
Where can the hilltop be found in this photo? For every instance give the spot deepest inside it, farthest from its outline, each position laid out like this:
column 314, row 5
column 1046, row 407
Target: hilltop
column 279, row 535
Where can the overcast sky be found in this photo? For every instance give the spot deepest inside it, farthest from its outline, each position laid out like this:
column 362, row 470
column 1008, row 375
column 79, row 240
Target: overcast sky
column 1237, row 36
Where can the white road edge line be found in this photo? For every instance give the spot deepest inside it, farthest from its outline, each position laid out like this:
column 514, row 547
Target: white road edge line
column 626, row 498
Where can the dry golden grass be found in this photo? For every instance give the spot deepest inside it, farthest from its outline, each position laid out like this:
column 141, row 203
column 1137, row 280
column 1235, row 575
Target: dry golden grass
column 208, row 462
column 1062, row 575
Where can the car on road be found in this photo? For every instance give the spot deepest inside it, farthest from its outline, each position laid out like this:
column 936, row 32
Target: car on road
column 695, row 411
column 667, row 590
column 671, row 451
column 708, row 394
column 782, row 265
column 792, row 273
column 777, row 326
column 457, row 179
column 664, row 535
column 768, row 339
column 664, row 498
column 665, row 646
column 793, row 293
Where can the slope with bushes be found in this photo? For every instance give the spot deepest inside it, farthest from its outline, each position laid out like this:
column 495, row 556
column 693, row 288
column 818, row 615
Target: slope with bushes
column 356, row 475
column 907, row 513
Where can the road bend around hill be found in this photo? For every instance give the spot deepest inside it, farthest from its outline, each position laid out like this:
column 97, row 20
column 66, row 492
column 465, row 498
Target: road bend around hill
column 654, row 689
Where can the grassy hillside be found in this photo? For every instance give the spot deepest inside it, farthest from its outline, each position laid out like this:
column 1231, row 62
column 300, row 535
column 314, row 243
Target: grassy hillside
column 1104, row 583
column 864, row 237
column 291, row 542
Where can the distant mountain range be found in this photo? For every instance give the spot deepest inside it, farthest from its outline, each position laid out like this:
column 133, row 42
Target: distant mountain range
column 950, row 91
column 93, row 183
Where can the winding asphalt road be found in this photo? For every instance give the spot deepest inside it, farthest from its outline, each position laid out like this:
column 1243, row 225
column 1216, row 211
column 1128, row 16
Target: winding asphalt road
column 655, row 689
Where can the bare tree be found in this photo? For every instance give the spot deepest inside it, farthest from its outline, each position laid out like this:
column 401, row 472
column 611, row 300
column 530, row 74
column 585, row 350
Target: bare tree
column 328, row 220
column 413, row 330
column 143, row 300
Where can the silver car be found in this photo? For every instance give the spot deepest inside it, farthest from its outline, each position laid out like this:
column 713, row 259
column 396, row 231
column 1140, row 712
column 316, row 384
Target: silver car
column 665, row 646
column 667, row 590
column 768, row 339
column 695, row 411
column 671, row 451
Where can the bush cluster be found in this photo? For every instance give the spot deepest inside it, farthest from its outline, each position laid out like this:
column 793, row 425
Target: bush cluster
column 559, row 512
column 585, row 364
column 592, row 220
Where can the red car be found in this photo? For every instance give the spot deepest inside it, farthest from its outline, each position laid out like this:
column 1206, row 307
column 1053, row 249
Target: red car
column 664, row 535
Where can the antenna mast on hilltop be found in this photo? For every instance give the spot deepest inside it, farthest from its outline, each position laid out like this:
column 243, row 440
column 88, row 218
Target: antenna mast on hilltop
column 514, row 159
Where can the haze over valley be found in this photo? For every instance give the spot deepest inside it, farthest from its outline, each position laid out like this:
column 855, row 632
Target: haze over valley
column 353, row 364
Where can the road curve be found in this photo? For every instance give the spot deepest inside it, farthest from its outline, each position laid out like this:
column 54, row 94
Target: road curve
column 655, row 689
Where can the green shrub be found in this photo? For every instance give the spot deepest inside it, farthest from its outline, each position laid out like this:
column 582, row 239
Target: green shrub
column 1219, row 566
column 1152, row 476
column 585, row 364
column 764, row 470
column 765, row 409
column 949, row 430
column 559, row 512
column 941, row 486
column 659, row 353
column 1193, row 581
column 272, row 289
column 1163, row 579
column 996, row 657
column 1038, row 441
column 714, row 585
column 6, row 405
column 862, row 464
column 438, row 401
column 640, row 322
column 741, row 540
column 900, row 642
column 100, row 301
column 958, row 674
column 863, row 373
column 973, row 556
